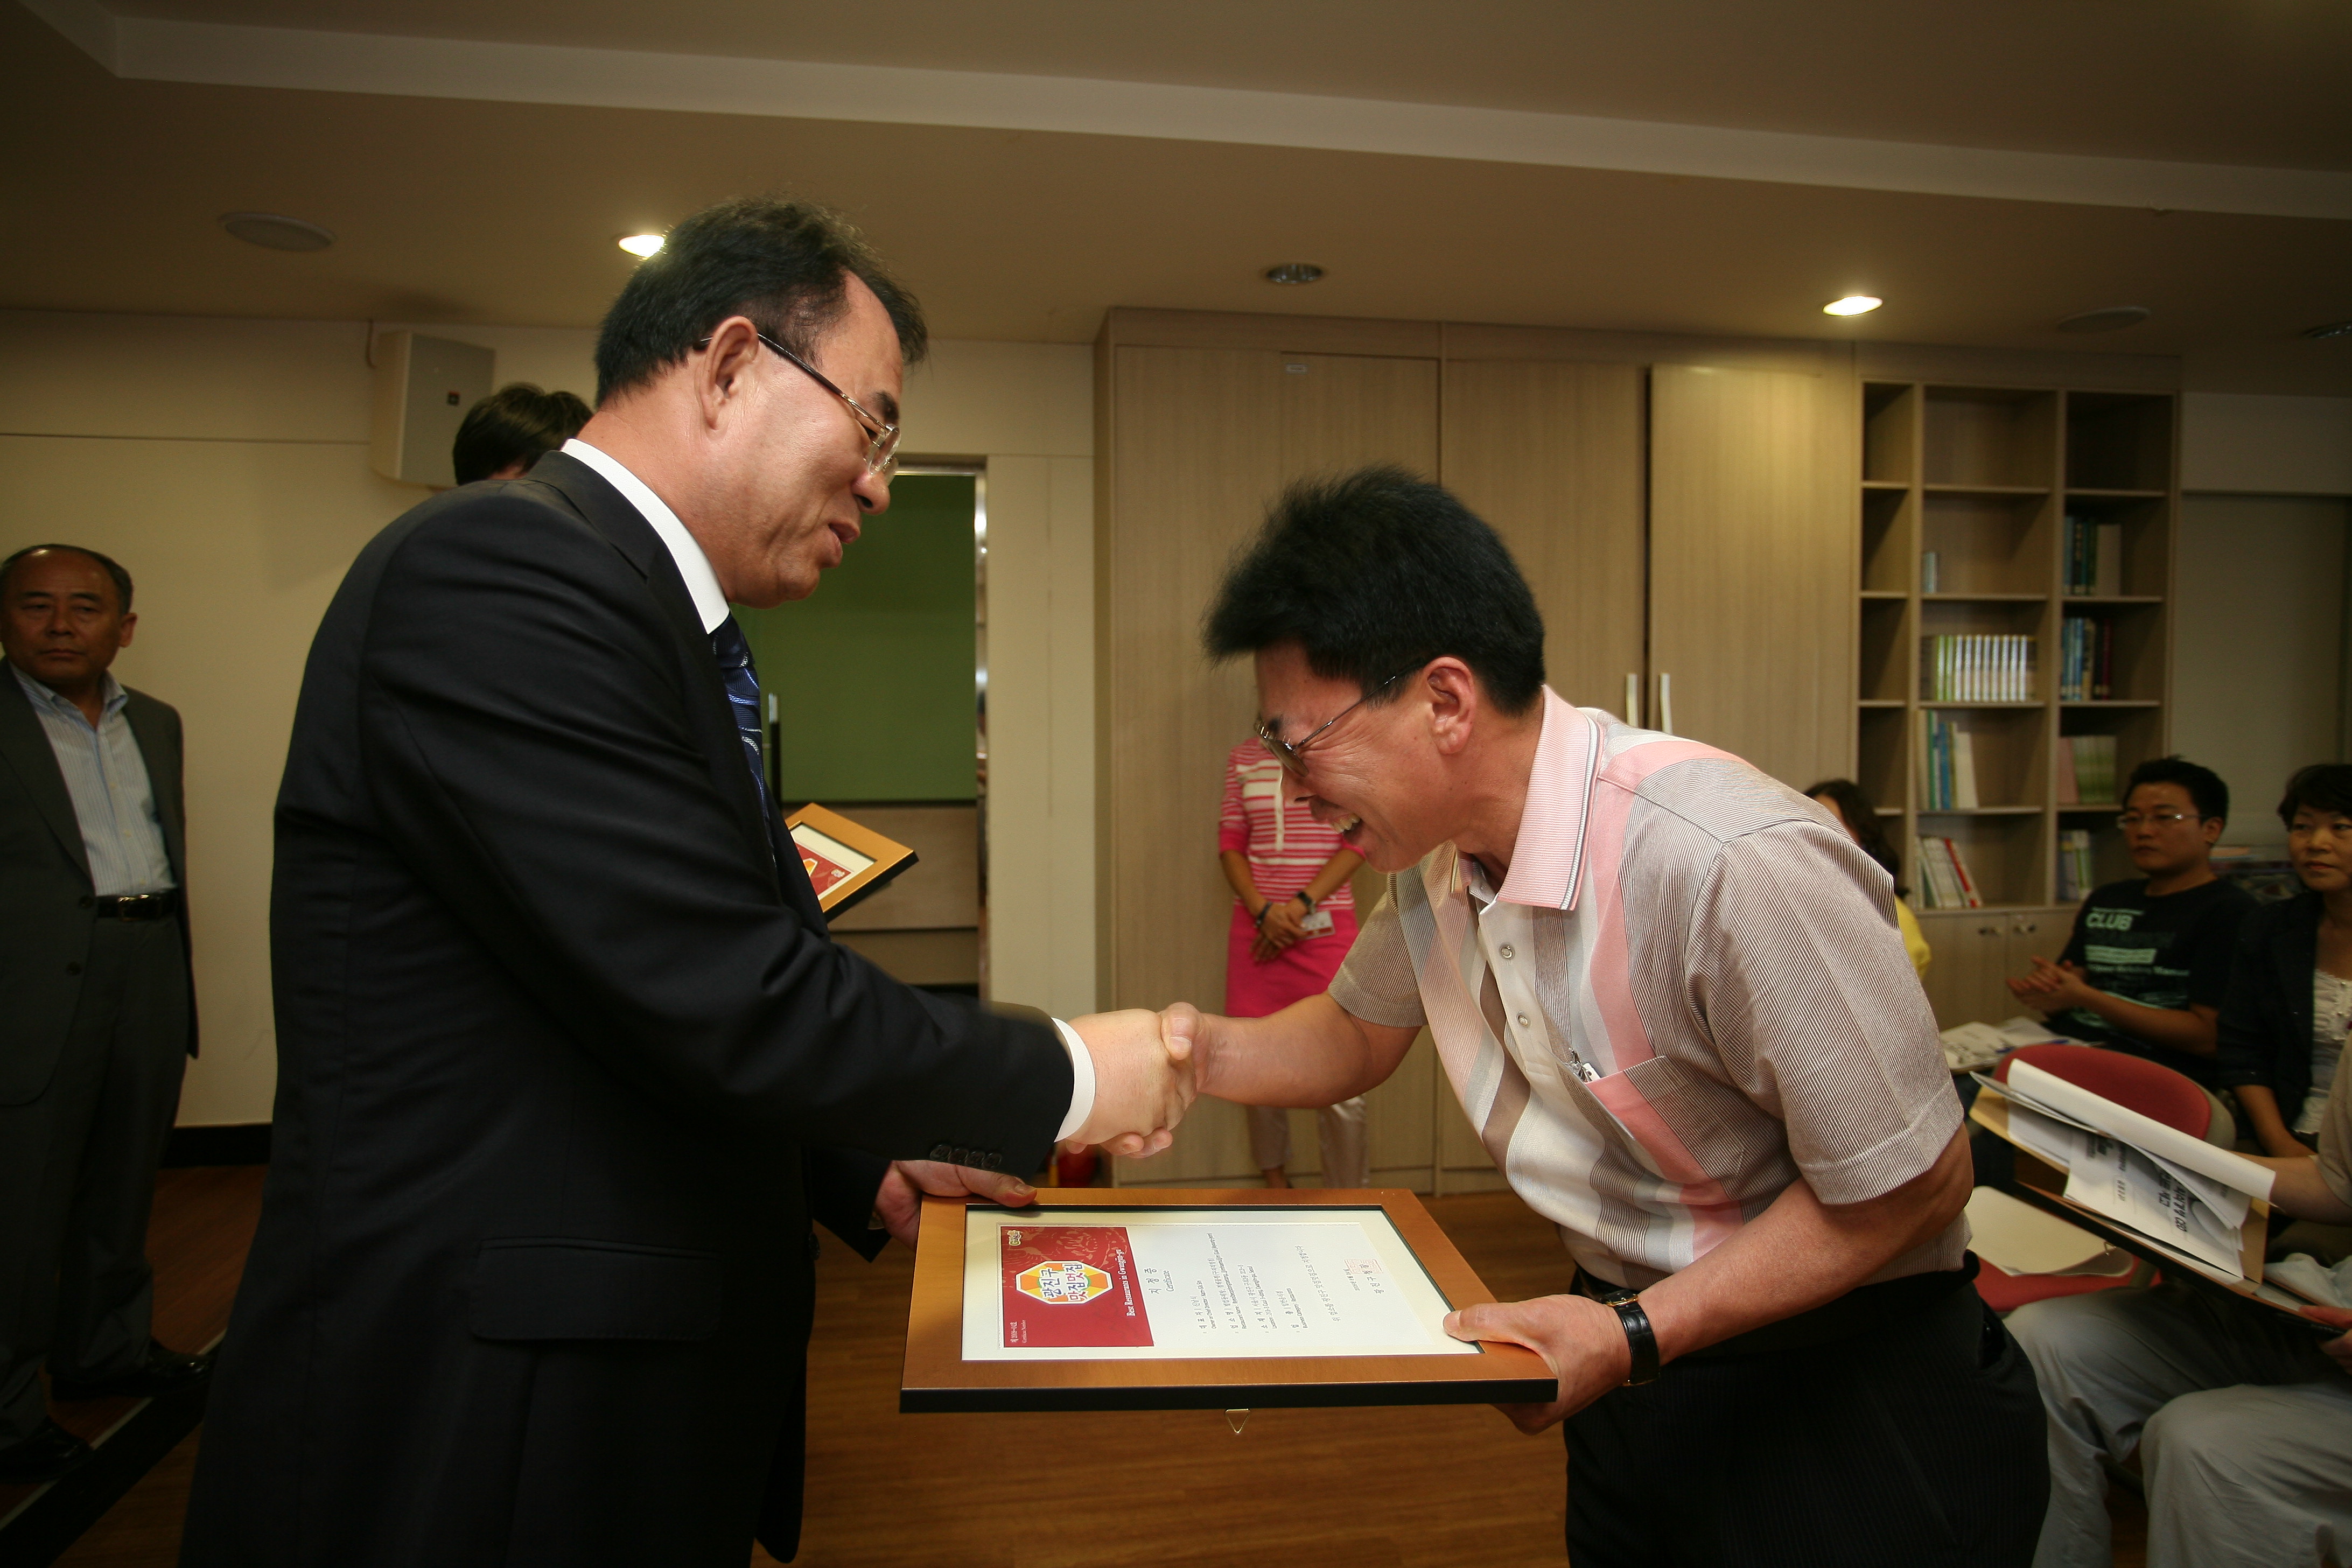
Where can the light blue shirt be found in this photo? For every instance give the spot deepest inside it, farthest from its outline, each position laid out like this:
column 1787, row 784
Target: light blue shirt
column 106, row 778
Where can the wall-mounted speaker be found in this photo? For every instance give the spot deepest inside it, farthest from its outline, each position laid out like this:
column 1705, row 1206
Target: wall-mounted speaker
column 422, row 388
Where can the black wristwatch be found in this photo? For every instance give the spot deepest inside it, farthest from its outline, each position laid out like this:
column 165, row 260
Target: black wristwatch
column 1639, row 1335
column 1306, row 898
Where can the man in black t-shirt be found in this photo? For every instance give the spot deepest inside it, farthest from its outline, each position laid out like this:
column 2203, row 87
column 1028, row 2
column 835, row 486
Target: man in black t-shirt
column 2148, row 961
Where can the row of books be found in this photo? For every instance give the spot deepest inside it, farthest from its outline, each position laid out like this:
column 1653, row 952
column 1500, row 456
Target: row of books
column 2074, row 878
column 2095, row 557
column 1976, row 668
column 2087, row 658
column 2086, row 769
column 1948, row 764
column 1944, row 880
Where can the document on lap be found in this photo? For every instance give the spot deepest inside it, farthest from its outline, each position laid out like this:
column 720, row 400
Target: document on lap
column 1139, row 1285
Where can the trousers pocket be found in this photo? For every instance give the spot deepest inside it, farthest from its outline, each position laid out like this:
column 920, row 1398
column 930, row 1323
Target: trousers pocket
column 552, row 1288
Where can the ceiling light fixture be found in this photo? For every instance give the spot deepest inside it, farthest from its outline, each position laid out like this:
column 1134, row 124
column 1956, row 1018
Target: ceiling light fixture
column 1852, row 305
column 2106, row 318
column 276, row 231
column 1294, row 272
column 2329, row 330
column 640, row 244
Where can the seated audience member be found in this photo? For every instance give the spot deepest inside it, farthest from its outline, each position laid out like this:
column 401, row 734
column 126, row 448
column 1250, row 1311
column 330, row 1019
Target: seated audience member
column 2289, row 998
column 2240, row 1416
column 513, row 427
column 1844, row 799
column 2149, row 961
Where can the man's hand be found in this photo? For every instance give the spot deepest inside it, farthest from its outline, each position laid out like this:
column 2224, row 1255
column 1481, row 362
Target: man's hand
column 1143, row 1083
column 899, row 1199
column 2340, row 1349
column 1580, row 1339
column 2054, row 987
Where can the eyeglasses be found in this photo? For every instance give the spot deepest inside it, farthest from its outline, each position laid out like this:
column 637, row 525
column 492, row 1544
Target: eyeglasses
column 881, row 436
column 2131, row 819
column 1287, row 752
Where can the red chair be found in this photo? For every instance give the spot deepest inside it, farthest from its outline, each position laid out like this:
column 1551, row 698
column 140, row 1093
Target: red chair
column 2156, row 1092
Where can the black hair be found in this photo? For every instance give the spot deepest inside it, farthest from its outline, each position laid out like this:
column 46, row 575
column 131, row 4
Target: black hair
column 1376, row 573
column 2205, row 789
column 1869, row 830
column 113, row 569
column 516, row 424
column 2322, row 786
column 786, row 265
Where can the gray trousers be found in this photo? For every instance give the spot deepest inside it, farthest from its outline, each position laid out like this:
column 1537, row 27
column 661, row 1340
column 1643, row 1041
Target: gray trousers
column 2243, row 1425
column 1347, row 1158
column 78, row 1173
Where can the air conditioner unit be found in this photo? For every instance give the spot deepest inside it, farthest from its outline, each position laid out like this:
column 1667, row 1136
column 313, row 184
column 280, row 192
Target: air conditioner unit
column 422, row 388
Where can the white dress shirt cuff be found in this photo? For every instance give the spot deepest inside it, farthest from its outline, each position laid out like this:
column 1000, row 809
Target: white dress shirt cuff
column 1082, row 1082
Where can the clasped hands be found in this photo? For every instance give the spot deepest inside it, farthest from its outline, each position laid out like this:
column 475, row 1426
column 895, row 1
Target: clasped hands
column 2052, row 987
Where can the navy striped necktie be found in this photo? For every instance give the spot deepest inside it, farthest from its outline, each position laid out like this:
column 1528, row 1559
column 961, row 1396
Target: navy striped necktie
column 735, row 668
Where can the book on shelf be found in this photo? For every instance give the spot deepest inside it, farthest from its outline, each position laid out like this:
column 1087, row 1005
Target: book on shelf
column 2074, row 882
column 2089, row 761
column 1948, row 764
column 2087, row 648
column 2095, row 558
column 1975, row 667
column 1945, row 877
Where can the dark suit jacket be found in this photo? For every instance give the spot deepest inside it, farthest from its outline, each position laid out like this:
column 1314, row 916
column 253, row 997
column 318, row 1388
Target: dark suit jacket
column 46, row 892
column 2264, row 1032
column 565, row 1064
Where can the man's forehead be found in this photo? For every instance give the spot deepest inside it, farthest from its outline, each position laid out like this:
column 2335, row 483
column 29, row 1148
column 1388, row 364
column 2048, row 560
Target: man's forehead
column 54, row 571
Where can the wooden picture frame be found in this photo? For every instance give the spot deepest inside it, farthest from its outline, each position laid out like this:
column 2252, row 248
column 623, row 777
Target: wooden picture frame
column 938, row 1378
column 841, row 879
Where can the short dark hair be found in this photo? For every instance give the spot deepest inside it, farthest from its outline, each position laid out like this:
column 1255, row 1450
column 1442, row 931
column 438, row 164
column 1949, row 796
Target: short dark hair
column 785, row 264
column 1375, row 573
column 2205, row 789
column 516, row 424
column 1869, row 830
column 113, row 569
column 2322, row 786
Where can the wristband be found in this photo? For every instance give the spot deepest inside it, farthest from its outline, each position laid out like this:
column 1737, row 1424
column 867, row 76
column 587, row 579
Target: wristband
column 1641, row 1337
column 1264, row 909
column 1306, row 899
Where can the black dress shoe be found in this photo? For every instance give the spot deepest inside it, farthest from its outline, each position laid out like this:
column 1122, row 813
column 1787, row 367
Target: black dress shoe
column 159, row 1372
column 43, row 1457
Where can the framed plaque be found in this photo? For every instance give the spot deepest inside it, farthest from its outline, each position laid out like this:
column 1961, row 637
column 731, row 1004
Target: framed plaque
column 846, row 862
column 1143, row 1299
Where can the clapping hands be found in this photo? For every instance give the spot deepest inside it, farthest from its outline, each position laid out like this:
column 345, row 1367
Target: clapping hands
column 2050, row 987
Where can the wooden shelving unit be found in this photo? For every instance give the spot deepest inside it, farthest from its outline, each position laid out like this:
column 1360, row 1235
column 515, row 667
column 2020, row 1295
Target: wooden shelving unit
column 1967, row 489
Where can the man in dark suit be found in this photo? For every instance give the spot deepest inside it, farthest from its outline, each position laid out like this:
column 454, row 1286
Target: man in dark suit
column 567, row 1061
column 97, row 1016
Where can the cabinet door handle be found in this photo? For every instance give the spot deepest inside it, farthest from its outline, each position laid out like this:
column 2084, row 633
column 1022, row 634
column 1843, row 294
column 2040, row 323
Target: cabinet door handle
column 1988, row 931
column 1666, row 703
column 1633, row 699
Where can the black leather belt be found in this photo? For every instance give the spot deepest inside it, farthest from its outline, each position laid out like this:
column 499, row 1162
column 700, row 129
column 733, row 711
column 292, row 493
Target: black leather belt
column 138, row 906
column 1858, row 1311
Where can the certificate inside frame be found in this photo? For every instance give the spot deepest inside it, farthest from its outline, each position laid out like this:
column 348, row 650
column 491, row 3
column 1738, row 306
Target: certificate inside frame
column 845, row 861
column 940, row 1375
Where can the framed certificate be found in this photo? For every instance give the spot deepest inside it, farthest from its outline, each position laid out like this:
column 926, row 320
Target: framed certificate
column 1141, row 1298
column 845, row 862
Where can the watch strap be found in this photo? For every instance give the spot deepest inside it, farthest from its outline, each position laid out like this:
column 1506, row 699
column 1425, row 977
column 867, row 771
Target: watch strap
column 1640, row 1337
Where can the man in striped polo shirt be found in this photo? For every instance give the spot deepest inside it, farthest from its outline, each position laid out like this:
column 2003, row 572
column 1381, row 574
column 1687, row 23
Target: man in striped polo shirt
column 1671, row 996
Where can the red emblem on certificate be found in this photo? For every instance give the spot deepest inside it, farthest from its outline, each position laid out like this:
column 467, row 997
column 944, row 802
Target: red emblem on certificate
column 1071, row 1285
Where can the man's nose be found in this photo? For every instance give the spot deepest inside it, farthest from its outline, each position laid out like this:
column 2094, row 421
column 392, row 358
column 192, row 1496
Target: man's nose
column 1293, row 789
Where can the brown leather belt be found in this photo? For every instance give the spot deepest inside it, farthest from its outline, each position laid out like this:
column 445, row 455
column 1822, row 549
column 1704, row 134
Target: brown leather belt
column 138, row 906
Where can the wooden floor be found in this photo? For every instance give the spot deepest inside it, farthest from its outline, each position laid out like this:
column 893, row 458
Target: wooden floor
column 1304, row 1488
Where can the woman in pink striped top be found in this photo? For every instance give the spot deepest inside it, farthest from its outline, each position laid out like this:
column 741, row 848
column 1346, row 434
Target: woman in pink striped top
column 1294, row 920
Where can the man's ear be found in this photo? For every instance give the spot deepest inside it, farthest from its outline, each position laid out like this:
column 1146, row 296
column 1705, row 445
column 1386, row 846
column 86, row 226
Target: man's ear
column 720, row 366
column 129, row 625
column 1456, row 702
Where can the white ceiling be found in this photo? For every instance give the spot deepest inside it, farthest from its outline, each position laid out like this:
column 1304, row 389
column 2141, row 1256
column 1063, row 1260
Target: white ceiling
column 1719, row 166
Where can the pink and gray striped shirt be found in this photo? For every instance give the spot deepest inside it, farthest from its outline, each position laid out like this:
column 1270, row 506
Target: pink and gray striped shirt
column 1688, row 991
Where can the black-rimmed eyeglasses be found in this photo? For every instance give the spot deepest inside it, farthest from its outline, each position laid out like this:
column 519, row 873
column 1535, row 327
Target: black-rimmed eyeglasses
column 1287, row 752
column 881, row 436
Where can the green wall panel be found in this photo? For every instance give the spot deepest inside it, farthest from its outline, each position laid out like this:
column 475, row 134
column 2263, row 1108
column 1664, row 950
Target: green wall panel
column 874, row 671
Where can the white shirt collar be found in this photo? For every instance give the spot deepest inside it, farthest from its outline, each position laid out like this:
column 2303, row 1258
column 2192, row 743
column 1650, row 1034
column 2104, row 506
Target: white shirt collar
column 701, row 582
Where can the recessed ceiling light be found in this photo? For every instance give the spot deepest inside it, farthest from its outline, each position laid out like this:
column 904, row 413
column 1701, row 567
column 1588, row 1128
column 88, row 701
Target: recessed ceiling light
column 1294, row 272
column 1852, row 305
column 2106, row 318
column 276, row 231
column 2329, row 330
column 640, row 244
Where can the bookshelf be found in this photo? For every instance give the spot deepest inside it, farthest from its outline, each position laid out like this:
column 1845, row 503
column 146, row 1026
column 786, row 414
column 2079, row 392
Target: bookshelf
column 1984, row 511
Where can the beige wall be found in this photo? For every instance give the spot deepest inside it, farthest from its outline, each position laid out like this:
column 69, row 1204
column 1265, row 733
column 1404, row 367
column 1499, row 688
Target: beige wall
column 224, row 463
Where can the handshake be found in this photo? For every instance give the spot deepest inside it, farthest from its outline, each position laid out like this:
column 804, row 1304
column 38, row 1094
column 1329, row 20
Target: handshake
column 1147, row 1070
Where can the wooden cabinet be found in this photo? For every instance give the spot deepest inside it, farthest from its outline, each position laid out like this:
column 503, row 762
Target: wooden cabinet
column 1976, row 950
column 1752, row 566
